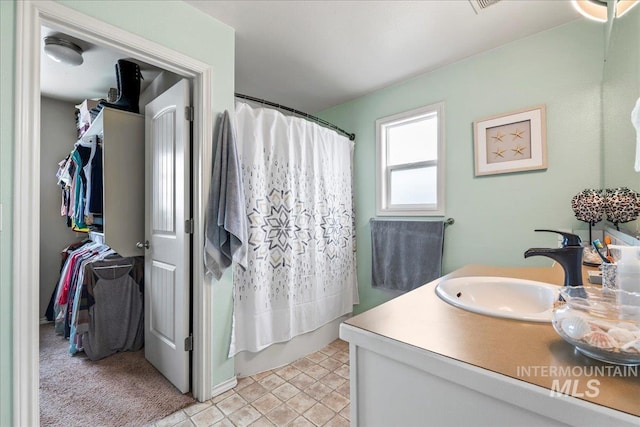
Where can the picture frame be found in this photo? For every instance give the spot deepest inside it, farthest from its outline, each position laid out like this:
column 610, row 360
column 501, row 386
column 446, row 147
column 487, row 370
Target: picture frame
column 511, row 142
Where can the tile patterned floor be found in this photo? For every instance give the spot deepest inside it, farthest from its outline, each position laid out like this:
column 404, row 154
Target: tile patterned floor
column 312, row 391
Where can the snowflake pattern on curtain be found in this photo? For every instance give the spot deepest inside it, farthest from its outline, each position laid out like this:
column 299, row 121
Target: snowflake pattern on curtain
column 301, row 255
column 284, row 228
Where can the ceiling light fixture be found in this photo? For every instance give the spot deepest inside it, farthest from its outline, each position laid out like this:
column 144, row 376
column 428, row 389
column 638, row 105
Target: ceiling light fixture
column 597, row 9
column 63, row 51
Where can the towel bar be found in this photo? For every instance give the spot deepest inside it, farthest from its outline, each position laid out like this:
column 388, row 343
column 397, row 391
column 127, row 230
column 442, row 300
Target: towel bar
column 448, row 221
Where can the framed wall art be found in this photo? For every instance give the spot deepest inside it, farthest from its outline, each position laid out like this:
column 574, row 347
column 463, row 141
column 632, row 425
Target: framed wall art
column 511, row 142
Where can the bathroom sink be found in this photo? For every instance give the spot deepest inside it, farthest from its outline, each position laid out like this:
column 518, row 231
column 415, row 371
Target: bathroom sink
column 501, row 297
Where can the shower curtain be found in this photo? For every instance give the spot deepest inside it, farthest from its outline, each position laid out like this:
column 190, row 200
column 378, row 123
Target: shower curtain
column 301, row 273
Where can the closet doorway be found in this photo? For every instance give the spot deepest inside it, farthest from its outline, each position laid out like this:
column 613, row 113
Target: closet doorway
column 142, row 196
column 30, row 16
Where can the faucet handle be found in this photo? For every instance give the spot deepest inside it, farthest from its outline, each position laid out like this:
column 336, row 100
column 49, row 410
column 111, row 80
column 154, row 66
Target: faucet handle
column 568, row 238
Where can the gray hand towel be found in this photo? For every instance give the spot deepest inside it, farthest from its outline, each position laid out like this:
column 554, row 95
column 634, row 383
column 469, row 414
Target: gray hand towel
column 226, row 218
column 406, row 254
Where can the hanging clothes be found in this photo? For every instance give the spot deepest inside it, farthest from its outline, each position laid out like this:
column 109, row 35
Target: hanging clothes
column 115, row 307
column 80, row 178
column 76, row 303
column 63, row 255
column 64, row 282
column 99, row 300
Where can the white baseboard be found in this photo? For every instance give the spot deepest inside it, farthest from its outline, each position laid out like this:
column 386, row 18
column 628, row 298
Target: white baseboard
column 222, row 387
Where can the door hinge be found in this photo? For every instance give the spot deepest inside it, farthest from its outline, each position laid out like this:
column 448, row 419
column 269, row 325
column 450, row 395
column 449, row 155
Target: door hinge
column 188, row 226
column 188, row 113
column 188, row 343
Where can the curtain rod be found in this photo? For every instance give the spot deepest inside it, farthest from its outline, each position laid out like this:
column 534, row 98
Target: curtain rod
column 351, row 136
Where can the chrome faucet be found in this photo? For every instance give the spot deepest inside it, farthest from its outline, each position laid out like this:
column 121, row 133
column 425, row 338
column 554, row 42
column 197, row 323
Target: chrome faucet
column 569, row 256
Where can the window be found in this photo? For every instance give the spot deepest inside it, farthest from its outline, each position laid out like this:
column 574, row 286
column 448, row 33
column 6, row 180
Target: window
column 410, row 162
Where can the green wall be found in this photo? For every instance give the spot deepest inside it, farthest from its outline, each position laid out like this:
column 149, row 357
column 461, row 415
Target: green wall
column 494, row 215
column 620, row 91
column 7, row 12
column 173, row 24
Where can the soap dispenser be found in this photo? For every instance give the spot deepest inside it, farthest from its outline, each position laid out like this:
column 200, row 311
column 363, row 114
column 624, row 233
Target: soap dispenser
column 628, row 268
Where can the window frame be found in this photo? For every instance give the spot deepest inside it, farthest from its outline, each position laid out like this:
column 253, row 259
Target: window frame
column 384, row 207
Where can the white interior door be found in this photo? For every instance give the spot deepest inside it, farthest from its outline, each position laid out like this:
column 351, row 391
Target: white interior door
column 167, row 189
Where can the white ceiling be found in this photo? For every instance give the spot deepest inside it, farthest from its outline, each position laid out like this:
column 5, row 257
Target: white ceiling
column 92, row 79
column 311, row 55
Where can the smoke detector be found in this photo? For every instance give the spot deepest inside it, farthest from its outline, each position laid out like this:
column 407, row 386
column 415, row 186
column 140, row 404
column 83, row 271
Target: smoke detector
column 480, row 5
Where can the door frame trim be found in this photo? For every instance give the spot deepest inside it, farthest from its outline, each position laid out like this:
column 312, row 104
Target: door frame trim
column 30, row 15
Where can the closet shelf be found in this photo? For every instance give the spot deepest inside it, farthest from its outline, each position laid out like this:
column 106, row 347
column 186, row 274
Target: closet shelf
column 97, row 125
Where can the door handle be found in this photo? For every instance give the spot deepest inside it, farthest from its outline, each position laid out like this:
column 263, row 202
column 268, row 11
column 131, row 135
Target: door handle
column 143, row 245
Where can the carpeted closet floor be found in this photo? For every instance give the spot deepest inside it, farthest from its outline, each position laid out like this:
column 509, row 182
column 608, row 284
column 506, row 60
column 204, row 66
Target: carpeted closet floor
column 119, row 390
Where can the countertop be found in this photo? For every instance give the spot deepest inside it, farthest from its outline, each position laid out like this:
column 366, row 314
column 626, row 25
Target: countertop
column 526, row 351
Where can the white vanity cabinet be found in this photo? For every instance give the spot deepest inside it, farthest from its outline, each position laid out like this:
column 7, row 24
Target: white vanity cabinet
column 123, row 166
column 418, row 361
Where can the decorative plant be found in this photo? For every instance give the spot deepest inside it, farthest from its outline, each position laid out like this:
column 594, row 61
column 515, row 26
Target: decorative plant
column 621, row 205
column 589, row 206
